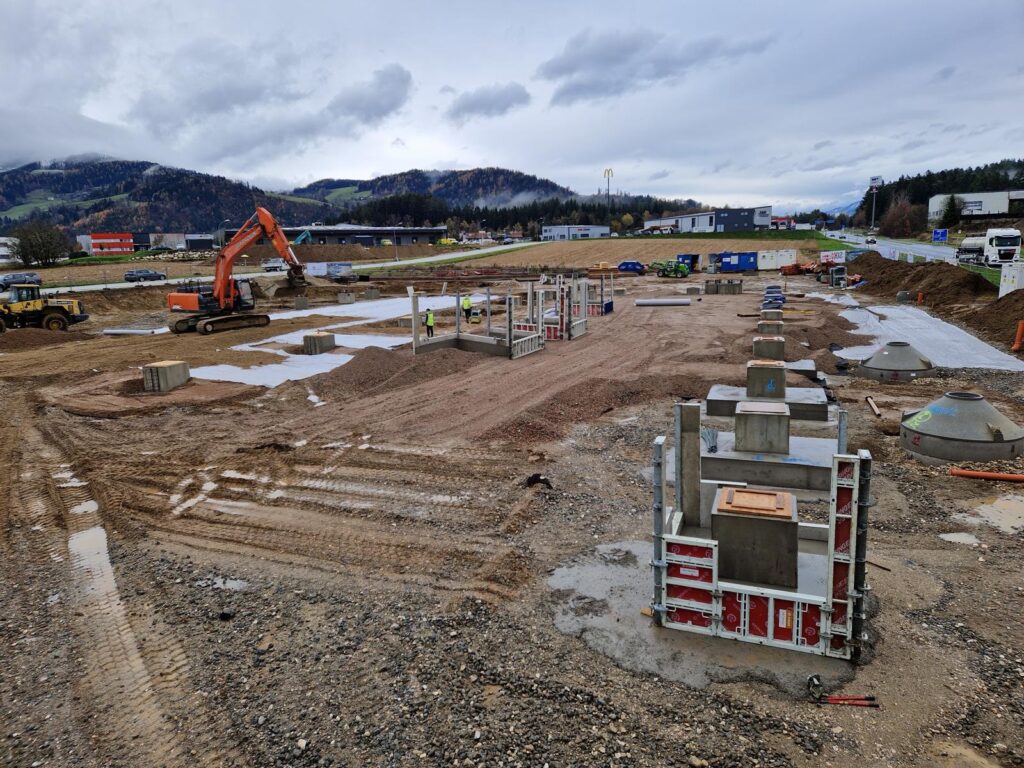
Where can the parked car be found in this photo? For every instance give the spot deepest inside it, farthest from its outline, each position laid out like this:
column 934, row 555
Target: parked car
column 507, row 241
column 143, row 275
column 870, row 240
column 19, row 278
column 274, row 265
column 635, row 267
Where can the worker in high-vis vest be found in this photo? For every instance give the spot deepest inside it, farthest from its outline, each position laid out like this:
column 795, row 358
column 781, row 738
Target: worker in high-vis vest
column 429, row 322
column 467, row 306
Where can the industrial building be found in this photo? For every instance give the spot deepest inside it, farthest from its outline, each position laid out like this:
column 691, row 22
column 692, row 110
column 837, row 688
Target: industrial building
column 574, row 232
column 108, row 243
column 975, row 203
column 355, row 234
column 6, row 247
column 724, row 220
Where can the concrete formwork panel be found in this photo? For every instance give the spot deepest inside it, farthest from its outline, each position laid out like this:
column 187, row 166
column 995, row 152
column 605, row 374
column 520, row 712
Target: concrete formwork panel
column 762, row 427
column 770, row 347
column 318, row 343
column 165, row 376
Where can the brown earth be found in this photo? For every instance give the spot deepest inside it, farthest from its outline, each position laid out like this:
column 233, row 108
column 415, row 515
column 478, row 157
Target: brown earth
column 942, row 284
column 360, row 578
column 19, row 339
column 313, row 253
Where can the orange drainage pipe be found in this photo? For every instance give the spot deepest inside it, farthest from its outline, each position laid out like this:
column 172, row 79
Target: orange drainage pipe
column 1018, row 341
column 920, row 298
column 977, row 475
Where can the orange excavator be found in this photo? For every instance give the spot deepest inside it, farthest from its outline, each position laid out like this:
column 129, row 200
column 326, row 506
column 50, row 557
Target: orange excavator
column 229, row 302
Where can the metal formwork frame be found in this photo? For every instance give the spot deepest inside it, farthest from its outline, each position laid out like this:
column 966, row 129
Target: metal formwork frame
column 842, row 548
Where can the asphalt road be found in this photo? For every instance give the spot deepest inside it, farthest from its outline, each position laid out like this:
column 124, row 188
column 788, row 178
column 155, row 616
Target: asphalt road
column 890, row 248
column 358, row 267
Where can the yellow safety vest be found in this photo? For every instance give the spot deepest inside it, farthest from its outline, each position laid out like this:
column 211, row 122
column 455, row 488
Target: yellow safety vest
column 430, row 319
column 466, row 302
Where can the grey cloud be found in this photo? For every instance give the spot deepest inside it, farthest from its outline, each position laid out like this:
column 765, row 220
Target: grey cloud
column 915, row 144
column 822, row 144
column 446, row 89
column 596, row 66
column 944, row 74
column 398, row 142
column 487, row 101
column 368, row 104
column 657, row 176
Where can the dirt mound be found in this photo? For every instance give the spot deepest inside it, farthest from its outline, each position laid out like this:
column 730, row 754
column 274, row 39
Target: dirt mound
column 588, row 400
column 373, row 368
column 112, row 301
column 998, row 320
column 33, row 338
column 941, row 284
column 316, row 253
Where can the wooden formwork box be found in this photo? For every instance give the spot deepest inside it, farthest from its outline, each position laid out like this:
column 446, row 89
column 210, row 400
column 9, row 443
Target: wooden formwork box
column 694, row 599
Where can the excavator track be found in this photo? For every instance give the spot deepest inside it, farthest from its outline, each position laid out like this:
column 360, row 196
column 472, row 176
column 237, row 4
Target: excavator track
column 231, row 323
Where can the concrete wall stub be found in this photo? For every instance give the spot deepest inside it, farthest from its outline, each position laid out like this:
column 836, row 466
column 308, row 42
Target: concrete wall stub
column 371, row 293
column 771, row 327
column 762, row 427
column 346, row 297
column 770, row 347
column 771, row 315
column 318, row 343
column 165, row 376
column 301, row 302
column 766, row 378
column 692, row 290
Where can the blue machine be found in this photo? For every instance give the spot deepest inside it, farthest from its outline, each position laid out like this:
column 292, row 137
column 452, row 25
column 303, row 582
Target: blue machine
column 736, row 262
column 689, row 259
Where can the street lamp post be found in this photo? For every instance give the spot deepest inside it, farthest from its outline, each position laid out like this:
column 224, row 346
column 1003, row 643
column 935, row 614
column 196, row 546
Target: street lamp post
column 223, row 232
column 608, row 173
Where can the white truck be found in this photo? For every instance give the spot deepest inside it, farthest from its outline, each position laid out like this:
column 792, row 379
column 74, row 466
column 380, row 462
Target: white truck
column 993, row 249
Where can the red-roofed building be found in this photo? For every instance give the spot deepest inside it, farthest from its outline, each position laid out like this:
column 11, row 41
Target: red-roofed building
column 111, row 243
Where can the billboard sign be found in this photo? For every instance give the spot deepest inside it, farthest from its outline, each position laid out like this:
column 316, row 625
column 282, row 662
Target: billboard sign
column 940, row 235
column 832, row 257
column 876, row 182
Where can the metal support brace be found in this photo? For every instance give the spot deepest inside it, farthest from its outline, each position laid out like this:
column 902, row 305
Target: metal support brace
column 659, row 524
column 860, row 587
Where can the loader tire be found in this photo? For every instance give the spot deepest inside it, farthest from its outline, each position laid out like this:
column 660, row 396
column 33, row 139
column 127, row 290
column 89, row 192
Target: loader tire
column 3, row 325
column 55, row 322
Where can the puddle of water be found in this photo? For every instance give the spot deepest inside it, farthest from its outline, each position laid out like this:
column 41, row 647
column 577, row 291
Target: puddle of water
column 1005, row 513
column 88, row 550
column 74, row 483
column 53, row 599
column 960, row 538
column 84, row 508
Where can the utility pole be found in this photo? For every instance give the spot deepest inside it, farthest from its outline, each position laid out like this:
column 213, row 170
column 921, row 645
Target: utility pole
column 608, row 173
column 876, row 182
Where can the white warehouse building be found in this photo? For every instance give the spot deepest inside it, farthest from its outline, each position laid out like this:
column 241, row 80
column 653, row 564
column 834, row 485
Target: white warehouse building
column 975, row 203
column 574, row 232
column 723, row 220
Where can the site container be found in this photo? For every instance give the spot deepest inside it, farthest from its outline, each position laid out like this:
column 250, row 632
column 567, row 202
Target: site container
column 737, row 262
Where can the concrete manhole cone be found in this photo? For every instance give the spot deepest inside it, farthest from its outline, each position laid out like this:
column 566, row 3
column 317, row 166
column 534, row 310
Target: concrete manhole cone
column 896, row 361
column 960, row 426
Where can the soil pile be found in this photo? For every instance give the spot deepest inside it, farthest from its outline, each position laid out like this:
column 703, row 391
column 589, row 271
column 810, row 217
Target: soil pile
column 374, row 368
column 941, row 284
column 33, row 338
column 998, row 320
column 590, row 399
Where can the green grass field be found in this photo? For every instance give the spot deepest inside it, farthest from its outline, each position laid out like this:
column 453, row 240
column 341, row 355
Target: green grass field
column 990, row 274
column 38, row 202
column 344, row 194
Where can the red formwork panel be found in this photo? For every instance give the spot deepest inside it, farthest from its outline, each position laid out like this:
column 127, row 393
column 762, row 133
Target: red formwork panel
column 696, row 551
column 810, row 625
column 785, row 621
column 689, row 616
column 681, row 593
column 732, row 612
column 704, row 574
column 757, row 616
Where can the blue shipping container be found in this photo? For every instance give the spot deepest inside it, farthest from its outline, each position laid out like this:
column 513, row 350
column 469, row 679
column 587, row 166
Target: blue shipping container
column 689, row 259
column 737, row 262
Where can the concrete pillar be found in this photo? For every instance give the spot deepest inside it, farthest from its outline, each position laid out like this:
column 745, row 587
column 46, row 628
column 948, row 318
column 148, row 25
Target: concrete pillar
column 301, row 302
column 766, row 378
column 690, row 464
column 771, row 327
column 458, row 313
column 770, row 347
column 165, row 376
column 762, row 427
column 772, row 315
column 415, row 320
column 371, row 293
column 488, row 310
column 346, row 297
column 318, row 343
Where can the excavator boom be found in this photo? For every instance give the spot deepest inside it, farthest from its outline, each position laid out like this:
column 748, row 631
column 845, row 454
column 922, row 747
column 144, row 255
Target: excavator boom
column 229, row 303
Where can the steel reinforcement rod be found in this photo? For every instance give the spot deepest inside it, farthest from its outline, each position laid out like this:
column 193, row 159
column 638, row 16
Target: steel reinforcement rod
column 861, row 556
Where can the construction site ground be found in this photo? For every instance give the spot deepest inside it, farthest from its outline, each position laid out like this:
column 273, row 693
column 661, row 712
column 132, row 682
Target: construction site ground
column 350, row 569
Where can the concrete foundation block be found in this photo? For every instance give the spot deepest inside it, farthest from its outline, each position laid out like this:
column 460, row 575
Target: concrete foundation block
column 770, row 347
column 766, row 378
column 771, row 315
column 165, row 376
column 318, row 343
column 770, row 327
column 762, row 427
column 692, row 290
column 346, row 297
column 731, row 287
column 301, row 302
column 371, row 293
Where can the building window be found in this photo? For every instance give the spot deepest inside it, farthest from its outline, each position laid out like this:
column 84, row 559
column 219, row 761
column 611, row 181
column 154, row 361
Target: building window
column 415, row 240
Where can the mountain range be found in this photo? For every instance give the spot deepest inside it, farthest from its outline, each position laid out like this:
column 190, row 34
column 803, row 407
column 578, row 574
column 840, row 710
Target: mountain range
column 103, row 194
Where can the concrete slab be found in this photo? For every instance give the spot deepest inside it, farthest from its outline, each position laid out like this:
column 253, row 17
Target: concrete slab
column 806, row 368
column 805, row 403
column 601, row 594
column 807, row 465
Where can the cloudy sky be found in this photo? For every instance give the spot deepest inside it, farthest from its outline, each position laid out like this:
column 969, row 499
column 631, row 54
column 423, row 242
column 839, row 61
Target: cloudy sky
column 735, row 102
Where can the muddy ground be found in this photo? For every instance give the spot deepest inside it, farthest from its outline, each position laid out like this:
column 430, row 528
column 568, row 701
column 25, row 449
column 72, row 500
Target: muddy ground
column 258, row 579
